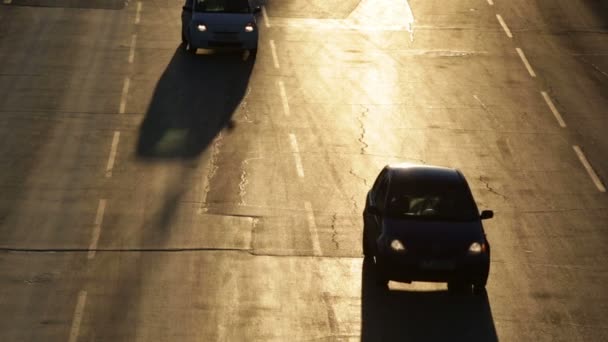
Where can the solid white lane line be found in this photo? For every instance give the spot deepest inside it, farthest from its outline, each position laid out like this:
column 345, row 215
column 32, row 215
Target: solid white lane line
column 275, row 58
column 554, row 110
column 112, row 157
column 526, row 63
column 138, row 12
column 78, row 313
column 265, row 16
column 504, row 26
column 312, row 226
column 491, row 3
column 596, row 180
column 101, row 208
column 284, row 101
column 123, row 96
column 132, row 49
column 296, row 154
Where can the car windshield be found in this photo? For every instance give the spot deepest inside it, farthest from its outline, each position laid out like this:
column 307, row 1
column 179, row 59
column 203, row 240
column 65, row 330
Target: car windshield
column 222, row 6
column 430, row 201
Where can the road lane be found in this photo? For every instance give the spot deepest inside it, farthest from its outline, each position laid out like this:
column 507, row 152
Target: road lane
column 210, row 132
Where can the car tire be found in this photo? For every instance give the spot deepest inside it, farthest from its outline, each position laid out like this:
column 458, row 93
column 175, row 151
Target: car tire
column 184, row 40
column 190, row 48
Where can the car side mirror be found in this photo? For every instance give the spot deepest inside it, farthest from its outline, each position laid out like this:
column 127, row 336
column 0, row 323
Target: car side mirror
column 486, row 214
column 374, row 210
column 257, row 9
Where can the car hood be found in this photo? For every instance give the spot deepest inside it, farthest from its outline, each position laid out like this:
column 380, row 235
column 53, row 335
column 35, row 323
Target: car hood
column 223, row 21
column 422, row 234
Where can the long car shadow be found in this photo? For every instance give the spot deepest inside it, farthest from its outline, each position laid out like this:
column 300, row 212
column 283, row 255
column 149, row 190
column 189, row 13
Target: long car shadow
column 193, row 101
column 422, row 316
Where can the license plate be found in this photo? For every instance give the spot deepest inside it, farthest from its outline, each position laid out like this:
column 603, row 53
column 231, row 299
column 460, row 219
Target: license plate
column 437, row 265
column 227, row 37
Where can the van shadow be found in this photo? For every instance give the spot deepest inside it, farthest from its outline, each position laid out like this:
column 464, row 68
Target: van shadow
column 422, row 316
column 193, row 101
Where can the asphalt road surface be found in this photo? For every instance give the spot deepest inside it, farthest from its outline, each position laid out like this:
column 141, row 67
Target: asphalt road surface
column 151, row 195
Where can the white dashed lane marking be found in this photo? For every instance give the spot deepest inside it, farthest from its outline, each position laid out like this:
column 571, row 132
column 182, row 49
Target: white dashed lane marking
column 312, row 226
column 101, row 208
column 265, row 16
column 491, row 3
column 7, row 2
column 504, row 25
column 554, row 110
column 78, row 313
column 596, row 180
column 124, row 94
column 273, row 51
column 138, row 12
column 526, row 63
column 284, row 101
column 112, row 156
column 296, row 154
column 132, row 48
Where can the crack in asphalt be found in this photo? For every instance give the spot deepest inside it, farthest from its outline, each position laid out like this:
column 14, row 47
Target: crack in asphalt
column 352, row 172
column 489, row 188
column 212, row 169
column 361, row 138
column 243, row 182
column 334, row 231
column 172, row 250
column 355, row 206
column 245, row 106
column 594, row 67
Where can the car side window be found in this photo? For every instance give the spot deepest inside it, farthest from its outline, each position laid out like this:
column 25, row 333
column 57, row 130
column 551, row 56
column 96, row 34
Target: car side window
column 377, row 184
column 382, row 191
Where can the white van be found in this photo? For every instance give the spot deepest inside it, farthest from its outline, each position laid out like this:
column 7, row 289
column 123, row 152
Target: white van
column 210, row 24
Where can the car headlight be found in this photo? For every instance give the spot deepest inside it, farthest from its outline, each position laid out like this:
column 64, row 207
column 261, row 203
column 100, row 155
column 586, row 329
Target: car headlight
column 250, row 27
column 201, row 27
column 477, row 248
column 397, row 246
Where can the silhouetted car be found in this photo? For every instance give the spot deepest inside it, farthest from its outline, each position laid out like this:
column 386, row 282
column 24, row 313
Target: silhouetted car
column 422, row 224
column 219, row 23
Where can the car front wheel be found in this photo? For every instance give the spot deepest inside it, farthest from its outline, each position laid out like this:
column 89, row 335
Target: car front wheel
column 189, row 48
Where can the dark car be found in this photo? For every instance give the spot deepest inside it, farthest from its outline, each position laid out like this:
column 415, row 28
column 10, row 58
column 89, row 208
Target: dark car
column 211, row 24
column 421, row 223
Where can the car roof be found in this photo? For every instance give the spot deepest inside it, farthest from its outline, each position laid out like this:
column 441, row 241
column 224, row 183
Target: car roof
column 426, row 173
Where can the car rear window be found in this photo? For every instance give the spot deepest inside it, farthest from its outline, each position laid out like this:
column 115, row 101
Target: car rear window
column 430, row 200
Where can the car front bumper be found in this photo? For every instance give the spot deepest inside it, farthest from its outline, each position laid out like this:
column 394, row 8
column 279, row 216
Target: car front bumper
column 211, row 40
column 409, row 268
